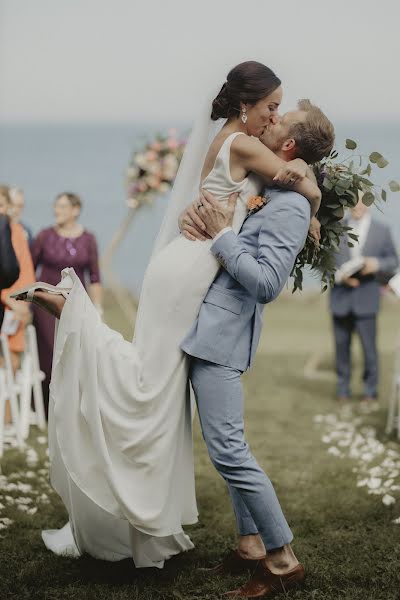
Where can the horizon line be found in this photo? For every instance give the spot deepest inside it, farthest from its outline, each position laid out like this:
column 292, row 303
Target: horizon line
column 163, row 121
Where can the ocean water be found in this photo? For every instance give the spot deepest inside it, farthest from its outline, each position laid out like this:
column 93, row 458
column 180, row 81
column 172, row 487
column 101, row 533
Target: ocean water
column 90, row 159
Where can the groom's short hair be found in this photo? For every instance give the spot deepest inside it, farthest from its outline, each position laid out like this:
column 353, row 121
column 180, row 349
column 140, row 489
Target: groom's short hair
column 315, row 135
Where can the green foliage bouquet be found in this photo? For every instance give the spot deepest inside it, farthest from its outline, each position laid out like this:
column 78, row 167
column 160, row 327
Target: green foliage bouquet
column 342, row 183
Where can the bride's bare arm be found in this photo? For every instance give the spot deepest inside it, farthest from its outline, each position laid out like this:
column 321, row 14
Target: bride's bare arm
column 255, row 157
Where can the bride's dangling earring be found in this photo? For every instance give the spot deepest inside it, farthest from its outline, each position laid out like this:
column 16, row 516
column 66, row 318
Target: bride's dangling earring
column 244, row 115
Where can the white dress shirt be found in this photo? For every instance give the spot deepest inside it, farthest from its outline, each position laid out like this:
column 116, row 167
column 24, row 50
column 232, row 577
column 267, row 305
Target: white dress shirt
column 361, row 228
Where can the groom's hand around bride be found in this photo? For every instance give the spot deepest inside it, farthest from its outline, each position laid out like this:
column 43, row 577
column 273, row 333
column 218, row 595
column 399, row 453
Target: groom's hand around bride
column 206, row 217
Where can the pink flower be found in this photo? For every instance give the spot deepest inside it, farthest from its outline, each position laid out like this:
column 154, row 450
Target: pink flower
column 172, row 144
column 151, row 155
column 156, row 146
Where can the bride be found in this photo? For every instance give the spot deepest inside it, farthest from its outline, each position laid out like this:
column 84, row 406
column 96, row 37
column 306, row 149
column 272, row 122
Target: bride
column 120, row 413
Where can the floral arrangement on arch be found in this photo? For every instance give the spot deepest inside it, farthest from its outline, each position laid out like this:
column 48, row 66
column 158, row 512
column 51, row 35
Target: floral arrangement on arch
column 152, row 169
column 342, row 183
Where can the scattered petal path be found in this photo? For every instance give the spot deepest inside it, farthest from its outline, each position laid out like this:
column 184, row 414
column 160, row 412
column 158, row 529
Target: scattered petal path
column 377, row 465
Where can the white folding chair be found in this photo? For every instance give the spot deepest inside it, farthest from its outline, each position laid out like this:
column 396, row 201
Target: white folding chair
column 30, row 379
column 393, row 421
column 9, row 390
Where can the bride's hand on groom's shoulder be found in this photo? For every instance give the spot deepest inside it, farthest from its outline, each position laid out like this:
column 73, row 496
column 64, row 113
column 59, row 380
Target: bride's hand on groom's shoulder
column 190, row 223
column 293, row 171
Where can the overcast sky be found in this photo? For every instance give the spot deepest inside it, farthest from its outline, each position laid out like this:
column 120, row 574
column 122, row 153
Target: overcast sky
column 130, row 60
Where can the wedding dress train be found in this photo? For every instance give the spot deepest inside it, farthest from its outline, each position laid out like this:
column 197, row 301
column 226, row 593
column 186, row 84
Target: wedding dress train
column 120, row 418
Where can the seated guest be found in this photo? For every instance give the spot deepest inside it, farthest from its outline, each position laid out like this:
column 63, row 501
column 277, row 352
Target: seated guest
column 354, row 299
column 9, row 267
column 66, row 244
column 15, row 318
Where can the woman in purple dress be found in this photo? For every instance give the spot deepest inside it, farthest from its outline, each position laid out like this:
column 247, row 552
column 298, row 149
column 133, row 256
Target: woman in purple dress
column 67, row 244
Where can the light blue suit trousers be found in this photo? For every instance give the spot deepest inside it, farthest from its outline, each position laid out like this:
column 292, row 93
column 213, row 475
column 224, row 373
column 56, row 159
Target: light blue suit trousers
column 220, row 403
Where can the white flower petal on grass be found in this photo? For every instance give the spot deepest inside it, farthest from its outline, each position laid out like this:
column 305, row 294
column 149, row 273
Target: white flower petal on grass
column 23, row 500
column 334, row 451
column 326, row 439
column 397, row 521
column 318, row 419
column 367, row 456
column 25, row 488
column 32, row 511
column 22, row 507
column 6, row 522
column 388, row 482
column 344, row 443
column 2, row 507
column 388, row 500
column 395, row 488
column 42, row 439
column 362, row 483
column 374, row 483
column 9, row 500
column 393, row 453
column 32, row 457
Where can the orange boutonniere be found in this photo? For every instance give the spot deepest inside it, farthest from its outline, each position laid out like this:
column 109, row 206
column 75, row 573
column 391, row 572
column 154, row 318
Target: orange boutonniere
column 255, row 203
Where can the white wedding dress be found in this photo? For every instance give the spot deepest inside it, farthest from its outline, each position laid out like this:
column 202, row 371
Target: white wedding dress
column 120, row 421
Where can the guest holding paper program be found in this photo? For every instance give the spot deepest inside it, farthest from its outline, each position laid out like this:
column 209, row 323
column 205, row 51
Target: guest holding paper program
column 354, row 299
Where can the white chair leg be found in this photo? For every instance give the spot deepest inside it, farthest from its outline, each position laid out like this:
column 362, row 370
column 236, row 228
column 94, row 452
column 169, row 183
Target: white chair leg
column 25, row 383
column 11, row 390
column 36, row 378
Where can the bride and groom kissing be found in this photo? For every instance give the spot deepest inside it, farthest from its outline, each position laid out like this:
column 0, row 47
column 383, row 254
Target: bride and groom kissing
column 121, row 413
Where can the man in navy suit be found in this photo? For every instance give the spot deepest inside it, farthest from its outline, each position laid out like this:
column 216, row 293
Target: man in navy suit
column 355, row 299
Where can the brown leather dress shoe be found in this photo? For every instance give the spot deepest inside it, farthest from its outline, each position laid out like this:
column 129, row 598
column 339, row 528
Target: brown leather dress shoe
column 233, row 564
column 265, row 584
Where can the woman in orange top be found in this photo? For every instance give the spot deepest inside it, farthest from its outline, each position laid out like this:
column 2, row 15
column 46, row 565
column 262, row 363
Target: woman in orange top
column 26, row 277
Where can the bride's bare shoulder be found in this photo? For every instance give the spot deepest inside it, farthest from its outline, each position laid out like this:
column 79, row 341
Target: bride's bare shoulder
column 246, row 145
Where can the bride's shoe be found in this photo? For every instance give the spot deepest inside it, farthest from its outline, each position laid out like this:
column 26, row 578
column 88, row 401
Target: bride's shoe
column 37, row 292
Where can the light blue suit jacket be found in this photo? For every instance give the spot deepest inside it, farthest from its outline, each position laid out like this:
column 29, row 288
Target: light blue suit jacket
column 257, row 263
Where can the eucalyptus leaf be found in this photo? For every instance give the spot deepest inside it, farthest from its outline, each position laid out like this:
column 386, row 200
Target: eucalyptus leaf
column 351, row 144
column 394, row 186
column 366, row 181
column 368, row 198
column 382, row 163
column 328, row 184
column 339, row 212
column 375, row 156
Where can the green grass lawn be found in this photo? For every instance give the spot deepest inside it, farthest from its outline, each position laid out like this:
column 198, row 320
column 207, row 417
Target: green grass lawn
column 345, row 536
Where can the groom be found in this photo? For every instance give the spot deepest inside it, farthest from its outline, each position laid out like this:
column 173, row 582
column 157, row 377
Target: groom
column 222, row 343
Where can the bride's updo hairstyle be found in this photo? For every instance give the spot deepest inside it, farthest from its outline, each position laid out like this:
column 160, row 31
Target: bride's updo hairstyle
column 248, row 82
